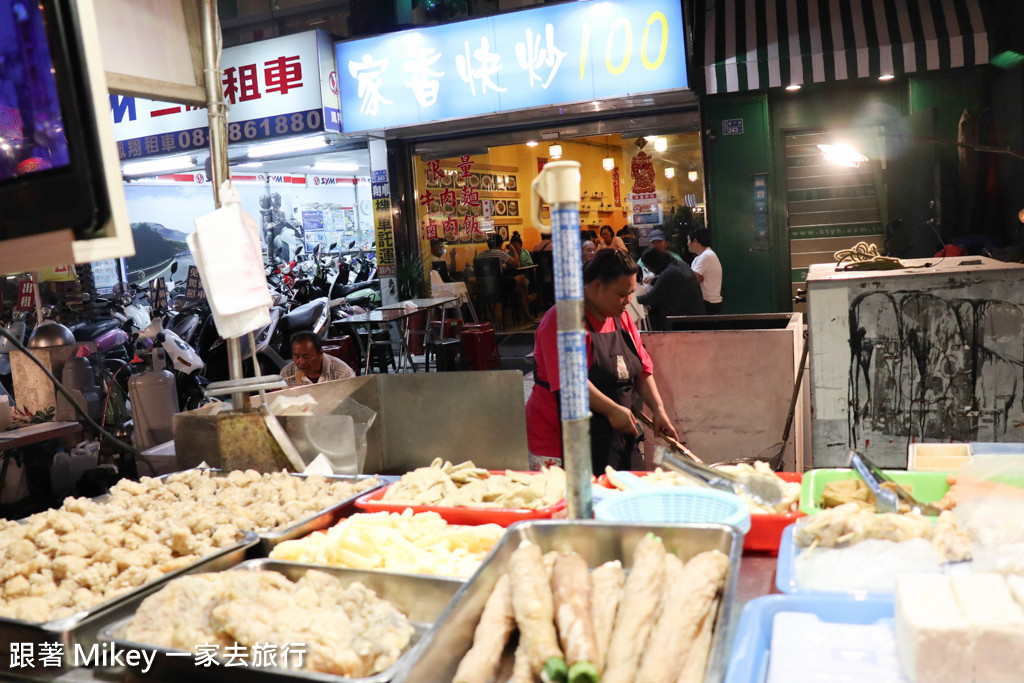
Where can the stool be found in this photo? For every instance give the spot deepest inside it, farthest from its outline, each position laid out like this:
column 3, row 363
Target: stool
column 446, row 354
column 449, row 328
column 381, row 353
column 344, row 348
column 480, row 347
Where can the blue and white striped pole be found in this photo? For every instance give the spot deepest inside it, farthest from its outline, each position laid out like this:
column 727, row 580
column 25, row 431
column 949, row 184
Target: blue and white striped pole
column 558, row 184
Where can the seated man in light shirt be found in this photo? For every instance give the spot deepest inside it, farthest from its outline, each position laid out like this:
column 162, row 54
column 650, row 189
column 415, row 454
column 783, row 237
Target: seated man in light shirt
column 310, row 365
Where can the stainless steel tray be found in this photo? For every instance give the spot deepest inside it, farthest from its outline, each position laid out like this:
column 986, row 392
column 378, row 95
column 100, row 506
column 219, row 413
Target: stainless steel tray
column 320, row 520
column 422, row 598
column 438, row 654
column 81, row 629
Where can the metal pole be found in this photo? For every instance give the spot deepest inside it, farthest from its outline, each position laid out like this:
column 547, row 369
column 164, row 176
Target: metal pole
column 559, row 185
column 219, row 171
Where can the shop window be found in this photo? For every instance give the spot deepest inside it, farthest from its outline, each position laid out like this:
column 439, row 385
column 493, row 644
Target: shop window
column 647, row 183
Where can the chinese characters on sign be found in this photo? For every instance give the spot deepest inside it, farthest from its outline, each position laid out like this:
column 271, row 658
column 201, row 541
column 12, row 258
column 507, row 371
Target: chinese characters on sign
column 194, row 286
column 274, row 88
column 381, row 193
column 31, row 655
column 26, row 296
column 571, row 52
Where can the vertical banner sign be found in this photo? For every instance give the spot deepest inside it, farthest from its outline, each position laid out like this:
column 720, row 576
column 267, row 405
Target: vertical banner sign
column 26, row 296
column 194, row 286
column 381, row 193
column 760, row 207
column 616, row 187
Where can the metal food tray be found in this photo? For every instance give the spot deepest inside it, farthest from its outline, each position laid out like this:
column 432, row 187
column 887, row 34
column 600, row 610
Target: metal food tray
column 83, row 628
column 422, row 599
column 320, row 520
column 438, row 654
column 317, row 521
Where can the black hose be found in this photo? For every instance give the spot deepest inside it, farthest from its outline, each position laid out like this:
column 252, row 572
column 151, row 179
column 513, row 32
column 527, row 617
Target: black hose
column 128, row 449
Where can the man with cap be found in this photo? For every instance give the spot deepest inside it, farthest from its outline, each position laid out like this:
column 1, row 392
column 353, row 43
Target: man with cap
column 658, row 243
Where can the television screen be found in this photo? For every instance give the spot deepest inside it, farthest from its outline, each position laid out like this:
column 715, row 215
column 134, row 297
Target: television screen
column 32, row 135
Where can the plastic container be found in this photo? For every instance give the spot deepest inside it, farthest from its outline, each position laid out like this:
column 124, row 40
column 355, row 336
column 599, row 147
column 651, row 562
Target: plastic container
column 765, row 529
column 937, row 457
column 371, row 502
column 995, row 448
column 752, row 645
column 927, row 487
column 675, row 505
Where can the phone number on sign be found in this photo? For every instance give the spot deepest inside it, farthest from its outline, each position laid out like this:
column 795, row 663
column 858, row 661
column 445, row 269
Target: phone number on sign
column 311, row 121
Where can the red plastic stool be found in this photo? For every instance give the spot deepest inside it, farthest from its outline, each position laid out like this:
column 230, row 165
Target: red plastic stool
column 449, row 328
column 344, row 348
column 480, row 347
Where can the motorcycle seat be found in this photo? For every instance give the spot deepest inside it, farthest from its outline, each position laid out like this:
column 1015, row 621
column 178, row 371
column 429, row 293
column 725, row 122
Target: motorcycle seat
column 302, row 317
column 92, row 329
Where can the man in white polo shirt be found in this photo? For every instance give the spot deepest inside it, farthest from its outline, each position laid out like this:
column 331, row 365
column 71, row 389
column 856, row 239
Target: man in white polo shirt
column 707, row 268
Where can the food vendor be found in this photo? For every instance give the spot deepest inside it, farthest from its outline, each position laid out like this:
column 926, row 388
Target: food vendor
column 618, row 365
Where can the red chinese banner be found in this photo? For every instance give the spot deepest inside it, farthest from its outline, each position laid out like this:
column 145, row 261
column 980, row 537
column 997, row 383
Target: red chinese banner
column 616, row 189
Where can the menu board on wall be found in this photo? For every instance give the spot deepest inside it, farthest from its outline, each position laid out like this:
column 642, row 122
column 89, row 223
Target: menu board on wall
column 463, row 200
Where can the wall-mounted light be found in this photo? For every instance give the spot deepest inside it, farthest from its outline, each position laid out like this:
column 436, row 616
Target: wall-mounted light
column 269, row 149
column 670, row 172
column 608, row 163
column 531, row 143
column 793, row 87
column 692, row 176
column 660, row 144
column 842, row 155
column 555, row 151
column 886, row 77
column 156, row 166
column 339, row 166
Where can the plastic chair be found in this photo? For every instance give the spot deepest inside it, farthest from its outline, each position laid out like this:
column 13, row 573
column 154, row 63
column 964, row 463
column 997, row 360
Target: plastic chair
column 480, row 347
column 545, row 261
column 438, row 288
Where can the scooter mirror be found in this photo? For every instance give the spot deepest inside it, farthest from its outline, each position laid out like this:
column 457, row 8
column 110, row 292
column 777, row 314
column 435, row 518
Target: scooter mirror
column 174, row 268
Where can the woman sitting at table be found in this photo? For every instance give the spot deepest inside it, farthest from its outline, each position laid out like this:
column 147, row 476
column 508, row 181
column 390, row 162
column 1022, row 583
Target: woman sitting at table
column 515, row 245
column 512, row 282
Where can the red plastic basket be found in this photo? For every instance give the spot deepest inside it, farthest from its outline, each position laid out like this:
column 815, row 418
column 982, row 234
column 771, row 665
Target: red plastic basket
column 371, row 502
column 765, row 530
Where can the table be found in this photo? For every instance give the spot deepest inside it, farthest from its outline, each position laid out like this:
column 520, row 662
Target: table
column 399, row 314
column 27, row 436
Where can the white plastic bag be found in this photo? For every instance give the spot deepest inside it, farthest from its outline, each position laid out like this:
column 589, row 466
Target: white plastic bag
column 226, row 248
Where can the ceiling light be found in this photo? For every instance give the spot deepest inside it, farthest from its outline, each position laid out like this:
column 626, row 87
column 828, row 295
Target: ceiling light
column 842, row 155
column 660, row 144
column 555, row 151
column 793, row 87
column 531, row 143
column 608, row 163
column 155, row 166
column 250, row 164
column 339, row 166
column 886, row 77
column 277, row 147
column 692, row 176
column 670, row 172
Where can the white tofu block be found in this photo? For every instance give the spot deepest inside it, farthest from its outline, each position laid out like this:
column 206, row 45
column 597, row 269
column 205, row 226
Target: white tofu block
column 998, row 625
column 933, row 639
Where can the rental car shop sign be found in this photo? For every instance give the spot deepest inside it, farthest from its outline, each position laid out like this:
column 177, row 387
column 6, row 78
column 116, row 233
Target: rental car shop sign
column 274, row 88
column 574, row 52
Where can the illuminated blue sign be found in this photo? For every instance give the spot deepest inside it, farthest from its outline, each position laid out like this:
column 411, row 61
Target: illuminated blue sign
column 572, row 52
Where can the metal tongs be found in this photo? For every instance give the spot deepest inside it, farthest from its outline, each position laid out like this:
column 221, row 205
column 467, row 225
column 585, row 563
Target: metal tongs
column 761, row 489
column 887, row 499
column 676, row 446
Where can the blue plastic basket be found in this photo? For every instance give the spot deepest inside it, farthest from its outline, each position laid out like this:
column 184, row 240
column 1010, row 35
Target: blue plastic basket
column 674, row 505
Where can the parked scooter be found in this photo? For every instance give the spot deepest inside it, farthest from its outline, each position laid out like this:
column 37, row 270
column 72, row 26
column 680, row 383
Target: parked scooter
column 186, row 364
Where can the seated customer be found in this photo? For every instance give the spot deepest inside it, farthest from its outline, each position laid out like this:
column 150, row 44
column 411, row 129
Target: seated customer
column 512, row 282
column 437, row 252
column 515, row 243
column 675, row 290
column 310, row 365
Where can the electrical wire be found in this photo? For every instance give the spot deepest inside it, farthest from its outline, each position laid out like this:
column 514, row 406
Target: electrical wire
column 127, row 449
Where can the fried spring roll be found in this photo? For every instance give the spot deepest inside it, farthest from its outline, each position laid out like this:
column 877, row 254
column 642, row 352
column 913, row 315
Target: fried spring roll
column 492, row 632
column 637, row 607
column 697, row 657
column 570, row 587
column 533, row 607
column 689, row 595
column 606, row 588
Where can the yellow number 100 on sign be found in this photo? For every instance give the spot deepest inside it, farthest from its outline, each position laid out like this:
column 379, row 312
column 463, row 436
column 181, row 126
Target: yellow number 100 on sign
column 627, row 31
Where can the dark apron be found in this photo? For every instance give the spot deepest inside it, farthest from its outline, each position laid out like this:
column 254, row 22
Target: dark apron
column 614, row 369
